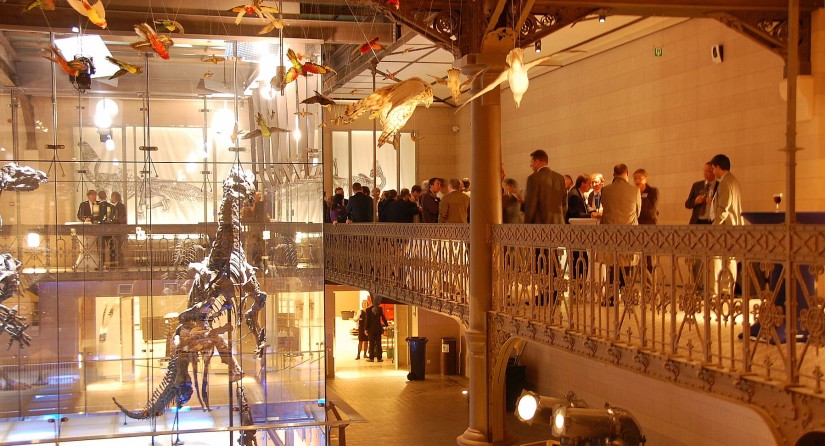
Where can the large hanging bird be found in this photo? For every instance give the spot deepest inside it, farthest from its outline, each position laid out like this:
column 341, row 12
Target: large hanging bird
column 299, row 69
column 46, row 5
column 393, row 105
column 93, row 9
column 453, row 82
column 264, row 12
column 170, row 25
column 70, row 67
column 124, row 68
column 516, row 75
column 158, row 43
column 319, row 98
column 263, row 128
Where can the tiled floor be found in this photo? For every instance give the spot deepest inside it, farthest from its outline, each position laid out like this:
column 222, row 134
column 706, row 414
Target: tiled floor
column 394, row 411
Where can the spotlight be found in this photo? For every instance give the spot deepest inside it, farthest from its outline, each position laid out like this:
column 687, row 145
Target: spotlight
column 531, row 407
column 33, row 239
column 83, row 80
column 602, row 18
column 574, row 425
column 538, row 46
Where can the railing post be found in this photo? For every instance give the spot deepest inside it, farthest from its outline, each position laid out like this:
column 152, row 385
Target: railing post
column 792, row 65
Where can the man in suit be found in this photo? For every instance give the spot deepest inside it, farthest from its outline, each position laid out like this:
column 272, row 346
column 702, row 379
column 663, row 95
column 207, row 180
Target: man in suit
column 89, row 210
column 430, row 201
column 621, row 200
column 576, row 203
column 594, row 197
column 700, row 197
column 726, row 210
column 545, row 200
column 375, row 323
column 360, row 207
column 622, row 203
column 455, row 206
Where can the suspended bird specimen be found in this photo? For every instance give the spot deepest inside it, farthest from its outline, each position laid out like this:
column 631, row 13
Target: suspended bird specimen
column 325, row 101
column 415, row 137
column 151, row 40
column 393, row 105
column 299, row 69
column 371, row 45
column 264, row 12
column 208, row 74
column 169, row 25
column 394, row 3
column 124, row 68
column 516, row 75
column 263, row 128
column 272, row 24
column 453, row 82
column 214, row 59
column 71, row 67
column 46, row 5
column 93, row 9
column 304, row 113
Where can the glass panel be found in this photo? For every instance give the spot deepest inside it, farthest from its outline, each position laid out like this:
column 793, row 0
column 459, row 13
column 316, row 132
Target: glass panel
column 104, row 298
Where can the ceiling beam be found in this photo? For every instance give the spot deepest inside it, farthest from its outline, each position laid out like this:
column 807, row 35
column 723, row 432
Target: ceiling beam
column 215, row 26
column 352, row 68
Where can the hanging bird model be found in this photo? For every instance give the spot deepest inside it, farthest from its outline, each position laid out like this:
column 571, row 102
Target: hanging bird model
column 393, row 105
column 213, row 59
column 372, row 45
column 208, row 74
column 124, row 68
column 70, row 67
column 264, row 12
column 271, row 25
column 304, row 113
column 92, row 9
column 453, row 82
column 45, row 5
column 516, row 75
column 300, row 69
column 169, row 25
column 319, row 98
column 394, row 3
column 151, row 40
column 263, row 128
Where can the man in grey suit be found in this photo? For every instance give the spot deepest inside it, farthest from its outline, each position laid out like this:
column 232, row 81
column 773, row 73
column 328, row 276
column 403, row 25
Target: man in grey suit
column 622, row 203
column 726, row 210
column 545, row 200
column 621, row 200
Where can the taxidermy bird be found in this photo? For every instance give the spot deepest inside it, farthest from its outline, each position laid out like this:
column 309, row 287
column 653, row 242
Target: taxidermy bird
column 263, row 128
column 71, row 67
column 124, row 68
column 371, row 45
column 214, row 59
column 393, row 105
column 264, row 12
column 46, row 5
column 325, row 101
column 453, row 82
column 93, row 9
column 272, row 24
column 516, row 75
column 158, row 43
column 169, row 25
column 299, row 69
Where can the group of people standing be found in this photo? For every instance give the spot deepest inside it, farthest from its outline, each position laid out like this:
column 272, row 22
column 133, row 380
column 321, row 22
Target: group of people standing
column 97, row 209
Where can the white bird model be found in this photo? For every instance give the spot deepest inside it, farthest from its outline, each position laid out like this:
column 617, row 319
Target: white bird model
column 516, row 75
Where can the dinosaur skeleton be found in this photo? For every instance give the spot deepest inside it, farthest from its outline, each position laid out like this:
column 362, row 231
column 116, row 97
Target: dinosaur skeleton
column 19, row 179
column 224, row 285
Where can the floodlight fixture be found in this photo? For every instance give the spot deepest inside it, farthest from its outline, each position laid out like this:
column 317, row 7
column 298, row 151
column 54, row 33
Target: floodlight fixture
column 614, row 425
column 532, row 407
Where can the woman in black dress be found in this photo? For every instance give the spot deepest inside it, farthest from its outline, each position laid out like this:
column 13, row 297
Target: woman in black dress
column 363, row 340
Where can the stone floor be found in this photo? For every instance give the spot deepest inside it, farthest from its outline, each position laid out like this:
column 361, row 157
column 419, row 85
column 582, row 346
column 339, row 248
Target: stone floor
column 393, row 411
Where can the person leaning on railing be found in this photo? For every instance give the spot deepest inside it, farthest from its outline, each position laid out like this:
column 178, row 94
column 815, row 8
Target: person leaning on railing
column 118, row 216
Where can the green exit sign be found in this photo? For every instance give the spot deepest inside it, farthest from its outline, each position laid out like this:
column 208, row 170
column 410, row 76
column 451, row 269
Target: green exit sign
column 658, row 51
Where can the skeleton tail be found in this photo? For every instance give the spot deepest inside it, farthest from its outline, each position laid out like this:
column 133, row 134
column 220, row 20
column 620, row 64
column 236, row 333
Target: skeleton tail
column 161, row 398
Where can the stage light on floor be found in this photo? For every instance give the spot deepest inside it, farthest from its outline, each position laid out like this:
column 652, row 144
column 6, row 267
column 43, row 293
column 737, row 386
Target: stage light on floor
column 617, row 426
column 532, row 407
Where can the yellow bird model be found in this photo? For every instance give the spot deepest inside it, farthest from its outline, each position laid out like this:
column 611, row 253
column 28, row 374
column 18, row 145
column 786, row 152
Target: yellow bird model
column 93, row 9
column 263, row 128
column 124, row 68
column 169, row 25
column 46, row 5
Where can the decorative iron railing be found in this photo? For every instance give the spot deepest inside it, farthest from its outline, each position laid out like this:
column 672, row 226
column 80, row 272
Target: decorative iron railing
column 713, row 296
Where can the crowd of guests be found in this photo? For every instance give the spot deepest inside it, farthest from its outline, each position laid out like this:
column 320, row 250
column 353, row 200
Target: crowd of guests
column 98, row 209
column 549, row 198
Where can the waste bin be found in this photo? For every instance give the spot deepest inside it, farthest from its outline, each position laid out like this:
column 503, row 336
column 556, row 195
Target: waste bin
column 418, row 357
column 449, row 356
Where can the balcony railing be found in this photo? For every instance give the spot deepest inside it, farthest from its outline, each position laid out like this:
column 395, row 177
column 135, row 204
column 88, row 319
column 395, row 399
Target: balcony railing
column 713, row 297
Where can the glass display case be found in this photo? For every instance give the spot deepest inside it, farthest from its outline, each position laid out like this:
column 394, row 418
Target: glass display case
column 107, row 299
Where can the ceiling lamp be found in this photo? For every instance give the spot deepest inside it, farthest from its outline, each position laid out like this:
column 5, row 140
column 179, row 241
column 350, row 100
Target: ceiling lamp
column 538, row 46
column 602, row 18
